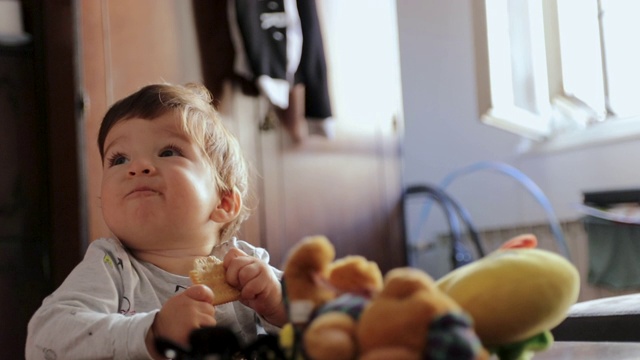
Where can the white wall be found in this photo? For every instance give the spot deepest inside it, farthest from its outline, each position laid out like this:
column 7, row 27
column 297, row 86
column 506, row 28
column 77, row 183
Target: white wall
column 443, row 132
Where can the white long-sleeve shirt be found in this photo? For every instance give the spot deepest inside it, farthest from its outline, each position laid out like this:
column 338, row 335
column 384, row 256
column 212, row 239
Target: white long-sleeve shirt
column 106, row 305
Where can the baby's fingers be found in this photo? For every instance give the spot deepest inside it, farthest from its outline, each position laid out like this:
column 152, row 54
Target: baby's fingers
column 236, row 263
column 231, row 255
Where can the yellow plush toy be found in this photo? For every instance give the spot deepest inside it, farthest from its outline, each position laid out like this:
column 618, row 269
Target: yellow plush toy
column 515, row 296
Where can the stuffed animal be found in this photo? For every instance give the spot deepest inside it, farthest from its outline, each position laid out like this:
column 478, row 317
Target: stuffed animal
column 308, row 263
column 406, row 317
column 504, row 303
column 312, row 277
column 515, row 296
column 355, row 281
column 325, row 298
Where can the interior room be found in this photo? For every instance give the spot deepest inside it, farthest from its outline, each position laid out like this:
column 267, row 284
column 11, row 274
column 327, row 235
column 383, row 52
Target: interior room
column 412, row 103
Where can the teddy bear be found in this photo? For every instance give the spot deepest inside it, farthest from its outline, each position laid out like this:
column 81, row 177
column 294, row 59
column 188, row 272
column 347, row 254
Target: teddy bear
column 341, row 309
column 325, row 297
column 312, row 277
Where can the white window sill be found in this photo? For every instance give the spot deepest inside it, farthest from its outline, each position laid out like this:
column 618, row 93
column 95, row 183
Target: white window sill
column 608, row 132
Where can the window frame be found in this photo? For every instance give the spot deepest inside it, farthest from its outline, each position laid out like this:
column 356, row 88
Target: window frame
column 590, row 129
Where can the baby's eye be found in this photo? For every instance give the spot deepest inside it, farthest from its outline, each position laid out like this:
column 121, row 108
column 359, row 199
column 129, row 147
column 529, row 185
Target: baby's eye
column 117, row 159
column 171, row 151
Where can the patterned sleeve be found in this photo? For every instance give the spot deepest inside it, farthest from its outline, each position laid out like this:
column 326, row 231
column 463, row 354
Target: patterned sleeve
column 82, row 319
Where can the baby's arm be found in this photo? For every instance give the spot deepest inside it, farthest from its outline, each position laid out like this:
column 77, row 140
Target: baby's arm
column 259, row 286
column 82, row 319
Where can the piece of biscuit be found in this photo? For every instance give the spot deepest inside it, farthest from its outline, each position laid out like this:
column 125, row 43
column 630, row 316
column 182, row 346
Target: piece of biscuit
column 210, row 271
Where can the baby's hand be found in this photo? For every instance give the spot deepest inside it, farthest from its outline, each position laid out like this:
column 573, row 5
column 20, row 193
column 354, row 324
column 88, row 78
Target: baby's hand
column 259, row 286
column 183, row 313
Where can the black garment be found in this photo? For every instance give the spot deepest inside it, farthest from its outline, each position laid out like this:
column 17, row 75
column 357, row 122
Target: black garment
column 312, row 71
column 266, row 49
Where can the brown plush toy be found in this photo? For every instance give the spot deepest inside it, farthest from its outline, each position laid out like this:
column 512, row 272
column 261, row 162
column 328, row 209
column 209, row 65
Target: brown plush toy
column 308, row 262
column 331, row 334
column 357, row 316
column 326, row 297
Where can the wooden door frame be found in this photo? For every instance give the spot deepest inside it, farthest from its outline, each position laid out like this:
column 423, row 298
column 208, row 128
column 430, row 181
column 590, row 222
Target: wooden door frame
column 53, row 25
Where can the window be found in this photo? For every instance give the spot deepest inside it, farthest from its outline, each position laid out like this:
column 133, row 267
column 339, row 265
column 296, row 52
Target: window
column 563, row 72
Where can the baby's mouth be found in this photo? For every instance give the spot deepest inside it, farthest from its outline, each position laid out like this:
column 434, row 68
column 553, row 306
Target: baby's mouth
column 142, row 191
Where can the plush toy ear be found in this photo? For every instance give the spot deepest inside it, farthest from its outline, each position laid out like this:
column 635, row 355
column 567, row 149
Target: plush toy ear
column 228, row 207
column 524, row 241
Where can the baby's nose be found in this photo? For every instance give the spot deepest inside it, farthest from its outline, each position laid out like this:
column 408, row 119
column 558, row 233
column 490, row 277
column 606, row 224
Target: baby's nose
column 143, row 171
column 141, row 168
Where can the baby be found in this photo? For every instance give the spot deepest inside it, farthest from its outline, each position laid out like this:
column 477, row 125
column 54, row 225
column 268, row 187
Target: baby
column 173, row 184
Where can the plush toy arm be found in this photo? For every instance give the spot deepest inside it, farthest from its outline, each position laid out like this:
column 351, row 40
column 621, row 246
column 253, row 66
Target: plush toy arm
column 525, row 349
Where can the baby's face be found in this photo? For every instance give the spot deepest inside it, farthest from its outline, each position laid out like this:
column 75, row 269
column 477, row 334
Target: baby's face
column 158, row 191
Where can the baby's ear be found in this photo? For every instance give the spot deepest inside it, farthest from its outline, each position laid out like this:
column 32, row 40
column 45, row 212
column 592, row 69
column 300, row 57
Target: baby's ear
column 228, row 207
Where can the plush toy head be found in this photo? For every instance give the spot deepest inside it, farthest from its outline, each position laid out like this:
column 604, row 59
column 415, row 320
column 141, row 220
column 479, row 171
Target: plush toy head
column 331, row 295
column 311, row 274
column 514, row 293
column 308, row 260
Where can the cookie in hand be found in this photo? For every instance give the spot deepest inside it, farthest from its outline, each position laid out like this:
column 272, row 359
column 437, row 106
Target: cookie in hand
column 210, row 271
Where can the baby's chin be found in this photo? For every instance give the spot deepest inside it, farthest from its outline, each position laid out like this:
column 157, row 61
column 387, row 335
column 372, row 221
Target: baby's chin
column 170, row 250
column 169, row 239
